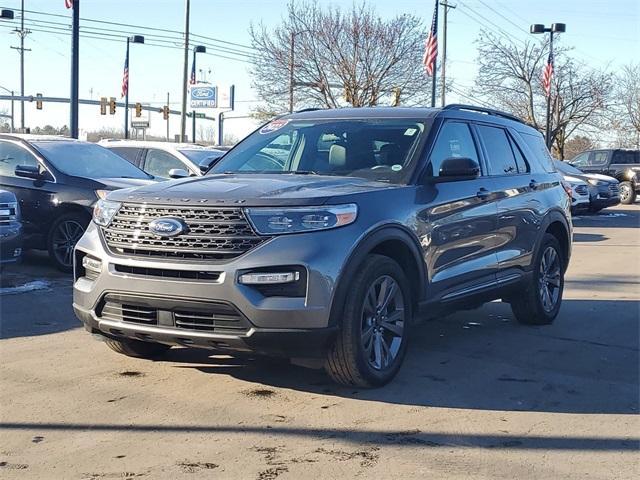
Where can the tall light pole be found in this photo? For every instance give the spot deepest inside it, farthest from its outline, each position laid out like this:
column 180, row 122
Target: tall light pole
column 538, row 28
column 185, row 72
column 12, row 110
column 292, row 65
column 192, row 81
column 131, row 39
column 74, row 106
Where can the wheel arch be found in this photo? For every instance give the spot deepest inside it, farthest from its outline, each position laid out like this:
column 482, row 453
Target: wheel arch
column 394, row 241
column 556, row 224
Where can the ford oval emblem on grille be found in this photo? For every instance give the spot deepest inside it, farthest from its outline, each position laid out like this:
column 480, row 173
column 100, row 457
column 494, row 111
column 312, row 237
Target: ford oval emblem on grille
column 167, row 227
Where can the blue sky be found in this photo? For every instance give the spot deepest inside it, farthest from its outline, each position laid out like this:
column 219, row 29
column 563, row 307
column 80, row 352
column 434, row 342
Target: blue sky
column 605, row 34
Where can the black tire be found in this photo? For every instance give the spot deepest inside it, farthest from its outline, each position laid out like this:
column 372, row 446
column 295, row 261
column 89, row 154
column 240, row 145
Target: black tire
column 627, row 193
column 531, row 306
column 349, row 360
column 65, row 232
column 137, row 348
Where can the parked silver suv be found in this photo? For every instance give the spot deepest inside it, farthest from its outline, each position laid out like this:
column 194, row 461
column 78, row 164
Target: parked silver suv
column 325, row 234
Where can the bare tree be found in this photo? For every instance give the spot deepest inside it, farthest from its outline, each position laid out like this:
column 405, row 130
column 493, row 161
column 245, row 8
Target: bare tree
column 578, row 144
column 509, row 78
column 625, row 113
column 341, row 57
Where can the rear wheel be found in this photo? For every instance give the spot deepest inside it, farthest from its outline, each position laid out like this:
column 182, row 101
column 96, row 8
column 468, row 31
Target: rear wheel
column 65, row 233
column 372, row 342
column 540, row 303
column 627, row 193
column 136, row 348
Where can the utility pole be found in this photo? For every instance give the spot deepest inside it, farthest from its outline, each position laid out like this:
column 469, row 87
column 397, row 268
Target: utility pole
column 185, row 72
column 74, row 107
column 443, row 89
column 22, row 33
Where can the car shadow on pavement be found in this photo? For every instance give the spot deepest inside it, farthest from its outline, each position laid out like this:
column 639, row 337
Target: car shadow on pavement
column 611, row 218
column 589, row 237
column 483, row 359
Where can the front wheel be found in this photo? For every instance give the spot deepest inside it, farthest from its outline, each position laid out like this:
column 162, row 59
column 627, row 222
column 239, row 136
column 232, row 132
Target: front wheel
column 372, row 342
column 540, row 303
column 65, row 233
column 627, row 193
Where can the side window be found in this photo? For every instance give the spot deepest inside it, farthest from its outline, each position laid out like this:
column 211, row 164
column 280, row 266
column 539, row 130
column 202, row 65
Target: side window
column 12, row 155
column 501, row 158
column 523, row 165
column 536, row 144
column 158, row 163
column 598, row 159
column 454, row 140
column 128, row 153
column 625, row 157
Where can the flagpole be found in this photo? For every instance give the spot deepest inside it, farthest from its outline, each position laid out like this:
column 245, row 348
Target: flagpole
column 548, row 130
column 126, row 95
column 435, row 61
column 75, row 67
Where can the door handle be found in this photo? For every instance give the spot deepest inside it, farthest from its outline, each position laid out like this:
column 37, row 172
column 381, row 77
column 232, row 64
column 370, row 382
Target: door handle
column 533, row 185
column 483, row 193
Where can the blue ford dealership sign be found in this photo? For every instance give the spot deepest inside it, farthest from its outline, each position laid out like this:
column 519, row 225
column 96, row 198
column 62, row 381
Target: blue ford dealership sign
column 204, row 97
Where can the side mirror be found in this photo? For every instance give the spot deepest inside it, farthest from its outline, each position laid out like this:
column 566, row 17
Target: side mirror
column 178, row 173
column 28, row 171
column 459, row 168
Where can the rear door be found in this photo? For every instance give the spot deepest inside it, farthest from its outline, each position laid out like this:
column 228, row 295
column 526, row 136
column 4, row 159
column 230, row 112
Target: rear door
column 458, row 221
column 516, row 186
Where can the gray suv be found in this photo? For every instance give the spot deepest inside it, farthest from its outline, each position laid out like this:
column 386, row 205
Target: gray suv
column 325, row 234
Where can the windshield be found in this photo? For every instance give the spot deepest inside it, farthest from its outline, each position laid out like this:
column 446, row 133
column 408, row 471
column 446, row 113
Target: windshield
column 375, row 149
column 202, row 157
column 566, row 168
column 88, row 160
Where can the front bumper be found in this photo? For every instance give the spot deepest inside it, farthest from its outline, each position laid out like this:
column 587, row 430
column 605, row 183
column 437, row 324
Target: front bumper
column 10, row 243
column 275, row 325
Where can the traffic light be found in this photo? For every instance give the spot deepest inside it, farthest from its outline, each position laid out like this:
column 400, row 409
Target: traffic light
column 165, row 112
column 103, row 105
column 112, row 105
column 38, row 101
column 138, row 110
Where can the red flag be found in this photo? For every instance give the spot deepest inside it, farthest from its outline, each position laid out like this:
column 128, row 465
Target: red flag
column 68, row 3
column 547, row 75
column 431, row 45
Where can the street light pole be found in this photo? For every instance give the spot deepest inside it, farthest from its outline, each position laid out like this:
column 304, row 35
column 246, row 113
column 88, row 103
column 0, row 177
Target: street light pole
column 196, row 49
column 131, row 39
column 75, row 71
column 185, row 72
column 538, row 28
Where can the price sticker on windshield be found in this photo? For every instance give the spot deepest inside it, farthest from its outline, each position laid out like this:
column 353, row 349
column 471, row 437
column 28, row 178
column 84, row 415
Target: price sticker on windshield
column 273, row 126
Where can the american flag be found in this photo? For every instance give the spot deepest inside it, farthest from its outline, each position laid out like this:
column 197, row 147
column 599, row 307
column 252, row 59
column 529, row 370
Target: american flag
column 547, row 75
column 125, row 77
column 431, row 45
column 192, row 80
column 68, row 3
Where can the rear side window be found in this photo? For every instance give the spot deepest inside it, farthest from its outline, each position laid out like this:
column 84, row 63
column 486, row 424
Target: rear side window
column 626, row 158
column 523, row 165
column 536, row 144
column 499, row 152
column 128, row 153
column 454, row 140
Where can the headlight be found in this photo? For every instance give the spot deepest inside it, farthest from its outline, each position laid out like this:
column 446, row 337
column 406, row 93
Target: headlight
column 104, row 211
column 595, row 183
column 102, row 194
column 276, row 221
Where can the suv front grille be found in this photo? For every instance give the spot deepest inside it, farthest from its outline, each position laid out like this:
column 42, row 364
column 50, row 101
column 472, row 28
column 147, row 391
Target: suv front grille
column 213, row 233
column 614, row 188
column 582, row 190
column 8, row 213
column 214, row 317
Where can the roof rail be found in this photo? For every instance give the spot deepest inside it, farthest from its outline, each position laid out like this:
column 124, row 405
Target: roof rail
column 488, row 111
column 311, row 109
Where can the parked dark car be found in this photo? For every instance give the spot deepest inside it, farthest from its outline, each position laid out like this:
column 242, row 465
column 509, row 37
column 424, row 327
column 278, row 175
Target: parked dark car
column 326, row 254
column 164, row 159
column 623, row 165
column 10, row 229
column 57, row 182
column 604, row 191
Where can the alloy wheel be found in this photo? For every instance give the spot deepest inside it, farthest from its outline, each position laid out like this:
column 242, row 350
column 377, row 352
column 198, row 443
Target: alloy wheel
column 383, row 318
column 65, row 238
column 549, row 281
column 625, row 193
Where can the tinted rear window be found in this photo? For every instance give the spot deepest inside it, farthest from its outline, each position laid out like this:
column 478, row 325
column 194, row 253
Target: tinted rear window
column 539, row 149
column 501, row 159
column 626, row 158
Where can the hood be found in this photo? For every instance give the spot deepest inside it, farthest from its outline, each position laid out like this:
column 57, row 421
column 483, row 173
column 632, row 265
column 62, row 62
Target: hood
column 597, row 176
column 118, row 183
column 574, row 180
column 251, row 189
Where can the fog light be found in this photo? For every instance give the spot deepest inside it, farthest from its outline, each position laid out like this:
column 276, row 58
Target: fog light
column 92, row 264
column 268, row 278
column 17, row 252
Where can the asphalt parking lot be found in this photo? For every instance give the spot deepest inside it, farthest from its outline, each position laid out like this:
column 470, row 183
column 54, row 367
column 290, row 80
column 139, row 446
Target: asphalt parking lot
column 478, row 397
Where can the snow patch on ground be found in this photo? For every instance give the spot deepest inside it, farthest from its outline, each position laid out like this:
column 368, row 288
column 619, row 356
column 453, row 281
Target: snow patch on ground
column 27, row 287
